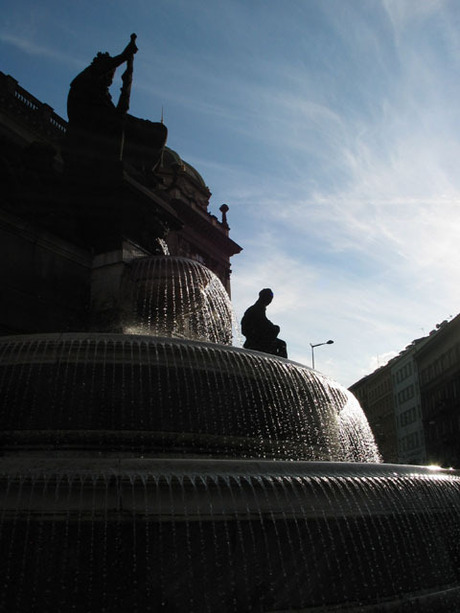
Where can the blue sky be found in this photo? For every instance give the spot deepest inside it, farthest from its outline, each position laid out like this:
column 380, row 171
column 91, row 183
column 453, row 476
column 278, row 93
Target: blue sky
column 331, row 128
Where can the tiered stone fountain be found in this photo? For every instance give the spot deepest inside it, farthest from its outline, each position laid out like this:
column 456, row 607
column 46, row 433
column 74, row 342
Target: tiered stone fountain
column 168, row 470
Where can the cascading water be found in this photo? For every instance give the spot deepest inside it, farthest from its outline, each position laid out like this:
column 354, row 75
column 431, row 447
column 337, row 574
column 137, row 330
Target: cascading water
column 151, row 472
column 159, row 395
column 177, row 297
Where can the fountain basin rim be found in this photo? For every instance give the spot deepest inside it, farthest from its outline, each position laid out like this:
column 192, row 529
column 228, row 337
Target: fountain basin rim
column 423, row 601
column 120, row 465
column 113, row 337
column 198, row 490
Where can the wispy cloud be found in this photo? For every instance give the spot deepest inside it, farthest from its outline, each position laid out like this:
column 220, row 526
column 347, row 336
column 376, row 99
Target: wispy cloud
column 331, row 130
column 391, row 209
column 404, row 12
column 30, row 47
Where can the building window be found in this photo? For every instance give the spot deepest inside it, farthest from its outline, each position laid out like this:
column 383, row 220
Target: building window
column 408, row 417
column 406, row 394
column 410, row 441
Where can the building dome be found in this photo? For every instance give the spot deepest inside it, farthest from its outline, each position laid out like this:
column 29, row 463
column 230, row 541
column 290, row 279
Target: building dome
column 172, row 159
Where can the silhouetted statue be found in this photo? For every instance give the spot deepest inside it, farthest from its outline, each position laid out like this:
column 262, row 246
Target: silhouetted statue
column 259, row 331
column 96, row 123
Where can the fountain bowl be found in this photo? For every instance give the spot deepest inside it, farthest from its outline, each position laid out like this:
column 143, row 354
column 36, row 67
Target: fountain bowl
column 170, row 396
column 206, row 534
column 151, row 474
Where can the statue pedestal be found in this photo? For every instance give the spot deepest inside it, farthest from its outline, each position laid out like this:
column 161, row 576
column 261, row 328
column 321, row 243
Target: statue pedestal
column 112, row 208
column 110, row 205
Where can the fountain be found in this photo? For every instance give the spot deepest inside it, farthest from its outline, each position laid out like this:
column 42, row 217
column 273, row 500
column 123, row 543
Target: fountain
column 150, row 465
column 149, row 472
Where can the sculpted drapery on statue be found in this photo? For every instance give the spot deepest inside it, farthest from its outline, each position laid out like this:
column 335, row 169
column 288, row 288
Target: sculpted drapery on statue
column 97, row 124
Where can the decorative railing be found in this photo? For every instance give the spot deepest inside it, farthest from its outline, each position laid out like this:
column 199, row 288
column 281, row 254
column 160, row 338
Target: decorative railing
column 17, row 101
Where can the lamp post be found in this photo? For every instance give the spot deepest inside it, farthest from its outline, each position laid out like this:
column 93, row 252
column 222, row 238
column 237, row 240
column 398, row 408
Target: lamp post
column 313, row 351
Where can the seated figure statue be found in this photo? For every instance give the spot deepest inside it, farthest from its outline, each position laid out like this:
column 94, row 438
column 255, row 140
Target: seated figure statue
column 101, row 129
column 261, row 334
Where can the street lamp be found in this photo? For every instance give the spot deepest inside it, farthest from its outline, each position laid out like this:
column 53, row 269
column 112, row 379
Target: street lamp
column 313, row 351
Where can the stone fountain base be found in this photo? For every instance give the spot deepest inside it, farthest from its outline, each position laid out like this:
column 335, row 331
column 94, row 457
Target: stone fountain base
column 117, row 534
column 169, row 396
column 146, row 474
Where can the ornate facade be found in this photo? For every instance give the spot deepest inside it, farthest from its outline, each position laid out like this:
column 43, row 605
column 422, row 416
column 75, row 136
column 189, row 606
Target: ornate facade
column 68, row 231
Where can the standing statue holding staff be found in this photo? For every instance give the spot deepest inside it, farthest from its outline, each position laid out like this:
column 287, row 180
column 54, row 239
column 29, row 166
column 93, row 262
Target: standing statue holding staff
column 96, row 124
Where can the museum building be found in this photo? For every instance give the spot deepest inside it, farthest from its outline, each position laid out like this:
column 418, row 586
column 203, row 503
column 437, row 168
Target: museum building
column 53, row 259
